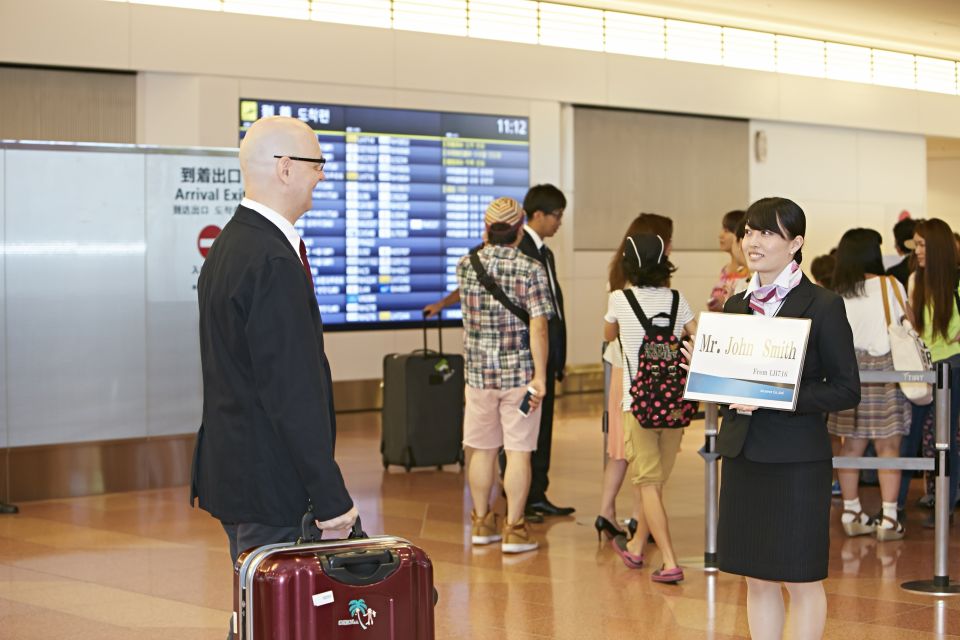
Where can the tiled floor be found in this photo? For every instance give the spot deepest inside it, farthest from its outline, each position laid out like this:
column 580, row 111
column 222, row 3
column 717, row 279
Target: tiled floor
column 146, row 565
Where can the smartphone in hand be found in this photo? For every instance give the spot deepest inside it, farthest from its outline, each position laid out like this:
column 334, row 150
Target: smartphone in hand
column 524, row 407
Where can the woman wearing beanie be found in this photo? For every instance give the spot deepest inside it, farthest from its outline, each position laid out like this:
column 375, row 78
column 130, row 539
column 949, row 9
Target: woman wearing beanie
column 642, row 308
column 774, row 526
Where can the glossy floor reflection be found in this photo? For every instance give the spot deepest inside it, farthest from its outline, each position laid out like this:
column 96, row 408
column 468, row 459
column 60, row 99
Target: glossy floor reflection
column 146, row 565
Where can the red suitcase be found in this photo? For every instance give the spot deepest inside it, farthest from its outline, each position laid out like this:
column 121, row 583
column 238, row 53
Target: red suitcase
column 370, row 588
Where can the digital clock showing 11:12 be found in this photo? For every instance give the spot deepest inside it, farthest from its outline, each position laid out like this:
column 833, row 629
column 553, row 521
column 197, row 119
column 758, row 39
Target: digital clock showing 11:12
column 512, row 126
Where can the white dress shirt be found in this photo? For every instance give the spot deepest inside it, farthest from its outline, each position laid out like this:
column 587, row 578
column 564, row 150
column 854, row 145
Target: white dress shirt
column 551, row 276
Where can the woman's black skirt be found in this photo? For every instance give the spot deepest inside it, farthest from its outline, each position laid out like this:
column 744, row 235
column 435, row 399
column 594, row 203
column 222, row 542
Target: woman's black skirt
column 775, row 519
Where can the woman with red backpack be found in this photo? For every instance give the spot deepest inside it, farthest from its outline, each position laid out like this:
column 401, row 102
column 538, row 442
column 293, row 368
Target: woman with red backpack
column 649, row 318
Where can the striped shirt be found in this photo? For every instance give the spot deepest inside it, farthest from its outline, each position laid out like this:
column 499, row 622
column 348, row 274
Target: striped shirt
column 653, row 300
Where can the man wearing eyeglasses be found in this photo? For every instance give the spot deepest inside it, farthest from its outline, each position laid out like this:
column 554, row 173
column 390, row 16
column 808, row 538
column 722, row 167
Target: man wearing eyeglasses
column 265, row 447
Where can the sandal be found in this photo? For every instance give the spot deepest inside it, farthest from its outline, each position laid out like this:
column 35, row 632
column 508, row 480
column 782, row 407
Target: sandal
column 632, row 560
column 669, row 576
column 857, row 527
column 896, row 532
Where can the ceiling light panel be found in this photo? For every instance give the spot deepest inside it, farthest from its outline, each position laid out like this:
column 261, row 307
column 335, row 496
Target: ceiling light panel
column 634, row 35
column 749, row 49
column 801, row 56
column 503, row 20
column 893, row 69
column 574, row 27
column 448, row 17
column 848, row 62
column 694, row 42
column 935, row 74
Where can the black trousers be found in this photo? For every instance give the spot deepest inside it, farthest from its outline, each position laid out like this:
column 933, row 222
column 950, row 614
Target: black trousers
column 540, row 459
column 247, row 535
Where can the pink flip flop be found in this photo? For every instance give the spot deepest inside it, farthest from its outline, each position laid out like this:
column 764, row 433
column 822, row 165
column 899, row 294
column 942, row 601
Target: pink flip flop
column 632, row 560
column 670, row 576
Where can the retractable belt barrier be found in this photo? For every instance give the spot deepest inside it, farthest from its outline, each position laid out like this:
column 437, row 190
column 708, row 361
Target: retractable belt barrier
column 940, row 584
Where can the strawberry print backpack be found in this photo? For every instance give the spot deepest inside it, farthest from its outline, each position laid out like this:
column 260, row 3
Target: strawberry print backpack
column 657, row 387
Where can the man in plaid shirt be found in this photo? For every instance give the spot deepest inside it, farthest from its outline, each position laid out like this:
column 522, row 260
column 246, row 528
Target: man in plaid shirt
column 504, row 358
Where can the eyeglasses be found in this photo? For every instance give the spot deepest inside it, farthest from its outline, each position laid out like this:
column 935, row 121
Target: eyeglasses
column 317, row 161
column 557, row 213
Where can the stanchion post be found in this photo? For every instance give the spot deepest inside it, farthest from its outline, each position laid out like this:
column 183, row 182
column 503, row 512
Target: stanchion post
column 941, row 577
column 712, row 484
column 940, row 585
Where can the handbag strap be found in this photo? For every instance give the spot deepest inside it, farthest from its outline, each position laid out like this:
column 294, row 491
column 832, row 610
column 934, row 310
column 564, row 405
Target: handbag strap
column 496, row 291
column 896, row 293
column 886, row 303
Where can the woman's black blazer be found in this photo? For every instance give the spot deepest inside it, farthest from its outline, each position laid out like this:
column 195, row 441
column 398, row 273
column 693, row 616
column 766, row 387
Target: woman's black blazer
column 830, row 382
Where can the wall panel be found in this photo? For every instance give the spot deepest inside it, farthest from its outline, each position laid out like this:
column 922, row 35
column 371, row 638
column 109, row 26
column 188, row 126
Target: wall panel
column 75, row 306
column 68, row 105
column 689, row 168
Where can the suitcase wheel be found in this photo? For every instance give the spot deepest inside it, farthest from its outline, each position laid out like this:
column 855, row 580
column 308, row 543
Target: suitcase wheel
column 386, row 465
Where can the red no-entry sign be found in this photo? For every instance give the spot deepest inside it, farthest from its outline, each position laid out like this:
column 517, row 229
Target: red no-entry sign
column 207, row 235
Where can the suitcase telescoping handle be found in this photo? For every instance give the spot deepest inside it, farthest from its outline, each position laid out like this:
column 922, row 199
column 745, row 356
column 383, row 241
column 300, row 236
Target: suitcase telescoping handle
column 426, row 323
column 310, row 532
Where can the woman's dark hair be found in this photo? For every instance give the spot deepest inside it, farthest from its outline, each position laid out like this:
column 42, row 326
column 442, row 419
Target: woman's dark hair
column 653, row 275
column 779, row 216
column 500, row 233
column 858, row 255
column 732, row 219
column 936, row 282
column 822, row 269
column 643, row 223
column 741, row 229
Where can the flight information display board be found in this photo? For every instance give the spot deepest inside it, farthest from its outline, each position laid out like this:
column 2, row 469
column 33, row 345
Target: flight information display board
column 403, row 200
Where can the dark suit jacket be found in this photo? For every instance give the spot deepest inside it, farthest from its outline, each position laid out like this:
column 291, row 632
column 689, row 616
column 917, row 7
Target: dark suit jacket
column 901, row 271
column 830, row 382
column 265, row 447
column 557, row 326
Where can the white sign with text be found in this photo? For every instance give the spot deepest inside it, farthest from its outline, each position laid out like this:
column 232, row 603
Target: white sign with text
column 748, row 359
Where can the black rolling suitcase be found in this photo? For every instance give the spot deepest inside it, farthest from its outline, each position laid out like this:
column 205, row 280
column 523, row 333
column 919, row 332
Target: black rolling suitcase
column 422, row 419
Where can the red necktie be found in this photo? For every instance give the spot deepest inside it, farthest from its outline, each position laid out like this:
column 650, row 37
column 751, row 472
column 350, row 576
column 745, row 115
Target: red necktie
column 305, row 261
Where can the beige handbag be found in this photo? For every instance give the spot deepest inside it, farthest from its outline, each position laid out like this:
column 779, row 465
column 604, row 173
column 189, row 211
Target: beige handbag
column 907, row 348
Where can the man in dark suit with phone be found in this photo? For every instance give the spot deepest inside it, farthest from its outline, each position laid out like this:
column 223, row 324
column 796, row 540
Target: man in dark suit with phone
column 544, row 205
column 265, row 447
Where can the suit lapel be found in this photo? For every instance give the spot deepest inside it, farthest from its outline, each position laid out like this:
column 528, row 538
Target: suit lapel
column 739, row 304
column 797, row 301
column 250, row 217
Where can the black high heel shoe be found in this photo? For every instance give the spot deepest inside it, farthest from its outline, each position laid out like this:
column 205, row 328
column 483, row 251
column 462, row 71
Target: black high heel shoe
column 605, row 526
column 632, row 526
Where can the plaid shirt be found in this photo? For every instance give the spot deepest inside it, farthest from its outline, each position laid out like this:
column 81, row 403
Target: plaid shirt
column 496, row 343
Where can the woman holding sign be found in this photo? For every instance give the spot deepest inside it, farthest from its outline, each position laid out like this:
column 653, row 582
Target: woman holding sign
column 774, row 525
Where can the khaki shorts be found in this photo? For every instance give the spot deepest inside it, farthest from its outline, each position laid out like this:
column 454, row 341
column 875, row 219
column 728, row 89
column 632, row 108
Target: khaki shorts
column 650, row 453
column 491, row 420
